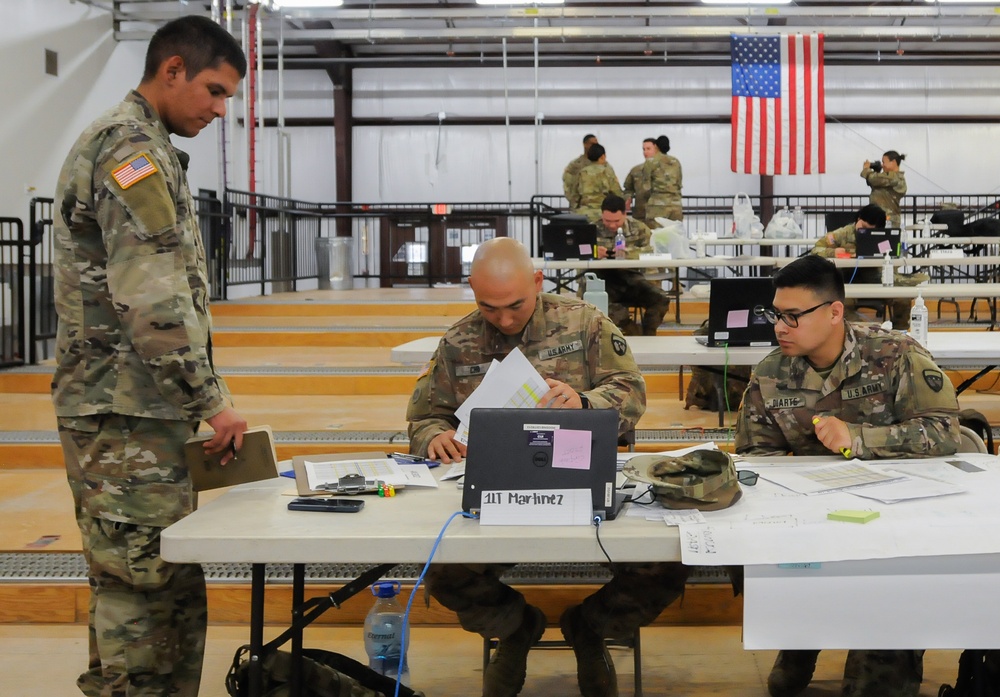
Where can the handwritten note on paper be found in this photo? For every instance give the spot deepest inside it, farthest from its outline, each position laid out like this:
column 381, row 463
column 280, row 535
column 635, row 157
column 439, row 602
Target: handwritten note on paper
column 536, row 507
column 571, row 449
column 697, row 544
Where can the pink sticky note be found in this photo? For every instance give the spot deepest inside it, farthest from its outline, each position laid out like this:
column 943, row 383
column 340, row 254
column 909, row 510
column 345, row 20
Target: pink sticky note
column 737, row 319
column 586, row 250
column 571, row 449
column 885, row 246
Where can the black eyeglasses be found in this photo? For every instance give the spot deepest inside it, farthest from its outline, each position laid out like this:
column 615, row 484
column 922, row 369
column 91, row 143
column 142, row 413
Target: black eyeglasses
column 747, row 477
column 789, row 318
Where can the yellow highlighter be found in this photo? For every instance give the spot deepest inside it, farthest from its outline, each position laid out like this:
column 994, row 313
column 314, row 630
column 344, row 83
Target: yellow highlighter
column 846, row 452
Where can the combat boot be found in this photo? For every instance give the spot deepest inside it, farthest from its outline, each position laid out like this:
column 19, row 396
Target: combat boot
column 504, row 676
column 791, row 673
column 595, row 672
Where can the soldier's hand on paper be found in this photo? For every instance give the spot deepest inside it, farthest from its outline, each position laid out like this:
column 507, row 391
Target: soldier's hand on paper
column 445, row 449
column 559, row 396
column 832, row 433
column 229, row 427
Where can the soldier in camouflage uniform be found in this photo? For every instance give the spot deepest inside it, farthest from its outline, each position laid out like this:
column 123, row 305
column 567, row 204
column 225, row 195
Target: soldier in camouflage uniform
column 636, row 185
column 842, row 241
column 571, row 175
column 595, row 181
column 134, row 373
column 627, row 288
column 875, row 392
column 888, row 186
column 587, row 364
column 664, row 175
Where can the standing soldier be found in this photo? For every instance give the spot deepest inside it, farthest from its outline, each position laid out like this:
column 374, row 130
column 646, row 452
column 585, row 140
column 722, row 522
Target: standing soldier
column 571, row 174
column 663, row 173
column 595, row 182
column 888, row 186
column 134, row 373
column 636, row 186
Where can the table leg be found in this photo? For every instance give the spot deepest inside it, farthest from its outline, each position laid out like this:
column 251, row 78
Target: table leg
column 298, row 597
column 256, row 669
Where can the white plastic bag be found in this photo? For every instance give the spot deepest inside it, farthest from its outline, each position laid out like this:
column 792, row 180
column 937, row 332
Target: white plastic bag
column 743, row 215
column 669, row 238
column 782, row 226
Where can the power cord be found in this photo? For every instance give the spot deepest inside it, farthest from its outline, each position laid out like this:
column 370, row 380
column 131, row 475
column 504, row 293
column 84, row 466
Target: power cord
column 597, row 529
column 413, row 594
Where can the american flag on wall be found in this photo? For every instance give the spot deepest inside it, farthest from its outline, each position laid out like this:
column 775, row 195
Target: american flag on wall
column 779, row 121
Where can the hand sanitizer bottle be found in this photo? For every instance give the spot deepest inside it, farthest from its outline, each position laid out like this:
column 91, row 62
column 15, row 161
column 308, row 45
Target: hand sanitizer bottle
column 886, row 270
column 918, row 321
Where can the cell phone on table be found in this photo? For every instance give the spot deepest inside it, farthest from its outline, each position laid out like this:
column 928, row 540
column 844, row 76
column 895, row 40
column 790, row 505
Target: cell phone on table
column 327, row 505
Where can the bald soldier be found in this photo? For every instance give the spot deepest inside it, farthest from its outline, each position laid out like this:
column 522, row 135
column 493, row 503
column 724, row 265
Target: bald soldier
column 834, row 387
column 587, row 364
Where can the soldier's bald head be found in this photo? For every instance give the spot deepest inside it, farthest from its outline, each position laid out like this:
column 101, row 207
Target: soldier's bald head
column 505, row 283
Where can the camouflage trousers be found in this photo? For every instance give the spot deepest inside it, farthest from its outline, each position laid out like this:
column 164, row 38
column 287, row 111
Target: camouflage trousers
column 147, row 616
column 628, row 289
column 654, row 212
column 635, row 596
column 883, row 673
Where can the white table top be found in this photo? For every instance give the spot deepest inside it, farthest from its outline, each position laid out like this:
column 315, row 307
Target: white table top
column 716, row 261
column 251, row 524
column 950, row 349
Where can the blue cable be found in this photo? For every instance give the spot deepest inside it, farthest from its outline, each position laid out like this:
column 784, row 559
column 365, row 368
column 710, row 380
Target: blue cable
column 413, row 594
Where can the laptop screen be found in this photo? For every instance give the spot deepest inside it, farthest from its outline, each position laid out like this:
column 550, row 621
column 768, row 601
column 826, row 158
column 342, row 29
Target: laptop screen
column 875, row 242
column 733, row 312
column 569, row 237
column 518, row 449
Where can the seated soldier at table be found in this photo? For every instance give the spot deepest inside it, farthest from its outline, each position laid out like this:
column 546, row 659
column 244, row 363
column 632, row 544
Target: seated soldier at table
column 628, row 288
column 841, row 243
column 587, row 364
column 837, row 387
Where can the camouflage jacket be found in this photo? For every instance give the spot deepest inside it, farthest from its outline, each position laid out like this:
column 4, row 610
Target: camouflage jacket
column 571, row 176
column 636, row 233
column 827, row 245
column 888, row 188
column 664, row 174
column 131, row 288
column 594, row 183
column 885, row 386
column 565, row 339
column 636, row 188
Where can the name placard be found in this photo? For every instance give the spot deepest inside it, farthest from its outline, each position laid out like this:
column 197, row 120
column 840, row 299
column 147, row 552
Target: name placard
column 536, row 507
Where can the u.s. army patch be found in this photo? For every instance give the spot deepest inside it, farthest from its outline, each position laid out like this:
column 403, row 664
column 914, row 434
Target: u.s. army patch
column 934, row 379
column 134, row 170
column 546, row 354
column 619, row 345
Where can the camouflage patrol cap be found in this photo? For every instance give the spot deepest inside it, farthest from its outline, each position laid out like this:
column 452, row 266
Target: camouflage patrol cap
column 702, row 479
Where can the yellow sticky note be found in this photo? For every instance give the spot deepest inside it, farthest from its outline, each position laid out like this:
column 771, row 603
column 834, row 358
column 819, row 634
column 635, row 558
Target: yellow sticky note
column 848, row 516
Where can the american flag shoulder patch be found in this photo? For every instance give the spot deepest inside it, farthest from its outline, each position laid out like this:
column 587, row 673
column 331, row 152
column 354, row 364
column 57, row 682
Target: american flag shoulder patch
column 134, row 170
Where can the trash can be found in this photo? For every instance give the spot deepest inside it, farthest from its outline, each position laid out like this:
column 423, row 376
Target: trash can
column 333, row 263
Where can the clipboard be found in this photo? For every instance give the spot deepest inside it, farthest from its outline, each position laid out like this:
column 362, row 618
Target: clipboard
column 256, row 460
column 299, row 467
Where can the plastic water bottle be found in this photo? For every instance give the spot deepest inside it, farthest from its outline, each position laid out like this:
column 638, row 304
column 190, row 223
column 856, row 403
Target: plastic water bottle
column 918, row 321
column 620, row 242
column 384, row 632
column 699, row 246
column 595, row 293
column 886, row 270
column 799, row 216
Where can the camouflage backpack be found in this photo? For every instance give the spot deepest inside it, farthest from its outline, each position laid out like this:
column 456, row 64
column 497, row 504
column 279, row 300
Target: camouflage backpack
column 702, row 479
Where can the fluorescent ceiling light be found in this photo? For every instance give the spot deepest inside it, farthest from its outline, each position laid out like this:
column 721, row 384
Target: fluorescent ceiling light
column 963, row 2
column 308, row 3
column 751, row 2
column 519, row 2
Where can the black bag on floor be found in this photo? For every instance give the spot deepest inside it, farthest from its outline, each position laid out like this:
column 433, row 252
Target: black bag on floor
column 324, row 674
column 977, row 421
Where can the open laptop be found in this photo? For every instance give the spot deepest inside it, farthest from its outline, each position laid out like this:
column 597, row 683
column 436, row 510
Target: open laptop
column 875, row 242
column 569, row 237
column 734, row 318
column 512, row 449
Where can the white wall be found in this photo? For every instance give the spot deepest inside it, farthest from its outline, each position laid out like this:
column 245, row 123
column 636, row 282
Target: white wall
column 44, row 114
